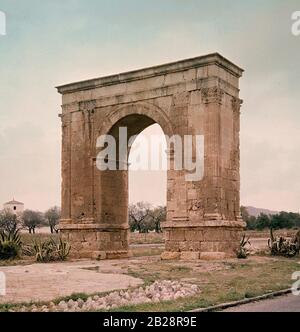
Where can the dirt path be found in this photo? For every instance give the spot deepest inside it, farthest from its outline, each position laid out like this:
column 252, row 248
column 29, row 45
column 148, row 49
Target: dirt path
column 44, row 282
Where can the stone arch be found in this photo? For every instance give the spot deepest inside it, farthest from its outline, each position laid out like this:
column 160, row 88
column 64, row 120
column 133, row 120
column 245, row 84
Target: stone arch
column 148, row 109
column 200, row 96
column 113, row 203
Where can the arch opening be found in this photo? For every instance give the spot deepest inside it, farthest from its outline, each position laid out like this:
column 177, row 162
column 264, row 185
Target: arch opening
column 145, row 178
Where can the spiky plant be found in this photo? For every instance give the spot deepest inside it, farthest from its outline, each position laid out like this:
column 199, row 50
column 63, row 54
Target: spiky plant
column 44, row 251
column 242, row 252
column 280, row 246
column 50, row 250
column 10, row 244
column 63, row 249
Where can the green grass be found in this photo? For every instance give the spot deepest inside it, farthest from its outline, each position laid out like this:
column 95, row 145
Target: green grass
column 237, row 282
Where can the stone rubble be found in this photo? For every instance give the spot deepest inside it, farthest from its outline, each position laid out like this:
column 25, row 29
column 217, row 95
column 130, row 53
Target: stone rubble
column 159, row 291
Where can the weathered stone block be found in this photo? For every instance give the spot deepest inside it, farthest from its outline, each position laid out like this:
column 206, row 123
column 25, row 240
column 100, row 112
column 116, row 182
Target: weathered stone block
column 189, row 255
column 90, row 237
column 212, row 255
column 170, row 255
column 99, row 255
column 172, row 246
column 177, row 235
column 194, row 235
column 213, row 234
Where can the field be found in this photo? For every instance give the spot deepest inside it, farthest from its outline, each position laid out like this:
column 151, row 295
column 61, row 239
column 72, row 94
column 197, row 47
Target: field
column 218, row 281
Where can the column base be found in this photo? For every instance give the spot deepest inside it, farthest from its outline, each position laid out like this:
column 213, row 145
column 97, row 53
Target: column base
column 96, row 241
column 208, row 240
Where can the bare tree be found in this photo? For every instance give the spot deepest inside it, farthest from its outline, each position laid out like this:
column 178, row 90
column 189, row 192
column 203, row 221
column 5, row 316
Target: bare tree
column 138, row 217
column 31, row 220
column 8, row 221
column 158, row 215
column 52, row 216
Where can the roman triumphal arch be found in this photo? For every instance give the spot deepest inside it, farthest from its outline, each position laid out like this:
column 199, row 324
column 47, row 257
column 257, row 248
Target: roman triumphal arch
column 198, row 96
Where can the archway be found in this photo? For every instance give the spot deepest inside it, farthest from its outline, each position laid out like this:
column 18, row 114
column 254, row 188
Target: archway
column 148, row 184
column 147, row 188
column 194, row 97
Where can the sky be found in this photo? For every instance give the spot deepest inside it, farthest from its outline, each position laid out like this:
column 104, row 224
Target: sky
column 49, row 43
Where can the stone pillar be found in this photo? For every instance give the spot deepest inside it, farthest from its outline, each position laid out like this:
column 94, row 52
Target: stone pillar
column 94, row 216
column 213, row 227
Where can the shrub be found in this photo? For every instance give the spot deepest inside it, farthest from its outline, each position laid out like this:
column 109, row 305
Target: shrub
column 280, row 246
column 49, row 250
column 63, row 249
column 10, row 244
column 242, row 252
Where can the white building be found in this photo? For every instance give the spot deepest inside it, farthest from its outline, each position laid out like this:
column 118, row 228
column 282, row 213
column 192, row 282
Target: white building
column 14, row 206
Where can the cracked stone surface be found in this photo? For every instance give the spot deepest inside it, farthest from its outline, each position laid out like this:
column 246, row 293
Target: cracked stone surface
column 45, row 282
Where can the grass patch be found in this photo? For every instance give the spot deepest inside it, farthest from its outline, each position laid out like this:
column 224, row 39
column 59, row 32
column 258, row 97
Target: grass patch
column 239, row 281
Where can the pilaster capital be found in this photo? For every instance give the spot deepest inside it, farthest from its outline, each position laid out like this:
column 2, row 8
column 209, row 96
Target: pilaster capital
column 87, row 105
column 236, row 104
column 212, row 95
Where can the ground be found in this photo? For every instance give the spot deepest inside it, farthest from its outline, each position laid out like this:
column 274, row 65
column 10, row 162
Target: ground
column 219, row 281
column 289, row 303
column 44, row 282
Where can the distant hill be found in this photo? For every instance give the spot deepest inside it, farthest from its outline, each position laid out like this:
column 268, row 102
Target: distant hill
column 253, row 211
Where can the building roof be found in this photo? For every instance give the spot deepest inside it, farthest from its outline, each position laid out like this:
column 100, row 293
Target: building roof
column 14, row 202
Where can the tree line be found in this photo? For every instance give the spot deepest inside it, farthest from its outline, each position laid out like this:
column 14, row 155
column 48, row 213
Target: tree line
column 30, row 220
column 143, row 217
column 287, row 220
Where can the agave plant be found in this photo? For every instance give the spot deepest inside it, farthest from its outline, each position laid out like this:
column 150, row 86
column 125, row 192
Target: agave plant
column 280, row 246
column 44, row 251
column 242, row 251
column 63, row 249
column 50, row 250
column 10, row 244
